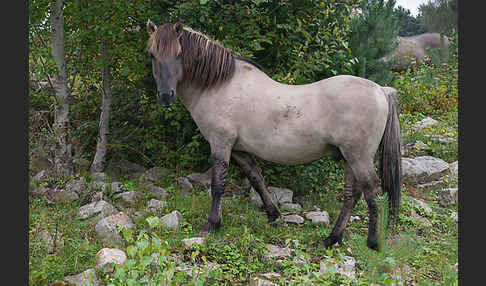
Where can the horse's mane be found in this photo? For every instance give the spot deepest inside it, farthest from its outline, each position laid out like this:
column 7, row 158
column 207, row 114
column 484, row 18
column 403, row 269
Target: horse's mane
column 204, row 62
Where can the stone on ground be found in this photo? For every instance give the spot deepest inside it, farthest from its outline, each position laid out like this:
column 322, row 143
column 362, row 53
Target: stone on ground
column 448, row 197
column 290, row 207
column 54, row 242
column 76, row 185
column 344, row 267
column 184, row 184
column 188, row 242
column 318, row 217
column 99, row 176
column 100, row 208
column 157, row 191
column 423, row 169
column 275, row 251
column 127, row 199
column 172, row 220
column 86, row 278
column 107, row 229
column 426, row 122
column 40, row 177
column 156, row 206
column 107, row 258
column 420, row 204
column 292, row 218
column 201, row 178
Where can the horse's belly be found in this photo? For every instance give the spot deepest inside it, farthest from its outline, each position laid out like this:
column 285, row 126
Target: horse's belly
column 285, row 152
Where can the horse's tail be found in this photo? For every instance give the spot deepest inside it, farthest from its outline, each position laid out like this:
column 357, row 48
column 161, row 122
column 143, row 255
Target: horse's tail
column 391, row 158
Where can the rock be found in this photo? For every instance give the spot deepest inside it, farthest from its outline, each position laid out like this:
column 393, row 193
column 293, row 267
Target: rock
column 157, row 191
column 156, row 206
column 86, row 278
column 188, row 242
column 275, row 251
column 270, row 275
column 100, row 208
column 420, row 204
column 318, row 217
column 448, row 197
column 426, row 122
column 279, row 196
column 40, row 177
column 300, row 260
column 107, row 228
column 421, row 220
column 172, row 220
column 344, row 267
column 54, row 196
column 353, row 218
column 282, row 195
column 107, row 258
column 54, row 243
column 96, row 196
column 440, row 138
column 154, row 175
column 290, row 207
column 423, row 169
column 454, row 170
column 127, row 199
column 76, row 185
column 201, row 178
column 293, row 218
column 197, row 269
column 184, row 184
column 427, row 187
column 81, row 163
column 257, row 281
column 99, row 177
column 117, row 187
column 40, row 160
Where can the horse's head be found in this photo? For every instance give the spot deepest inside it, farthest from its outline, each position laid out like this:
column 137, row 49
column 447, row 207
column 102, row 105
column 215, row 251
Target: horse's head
column 166, row 52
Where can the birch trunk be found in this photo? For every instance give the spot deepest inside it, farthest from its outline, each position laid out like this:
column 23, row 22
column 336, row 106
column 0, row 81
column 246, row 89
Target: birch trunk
column 99, row 161
column 63, row 162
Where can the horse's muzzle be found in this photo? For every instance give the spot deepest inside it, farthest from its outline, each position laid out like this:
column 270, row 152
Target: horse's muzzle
column 166, row 98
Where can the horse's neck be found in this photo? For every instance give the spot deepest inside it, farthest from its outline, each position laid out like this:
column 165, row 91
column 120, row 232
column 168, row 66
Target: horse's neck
column 188, row 95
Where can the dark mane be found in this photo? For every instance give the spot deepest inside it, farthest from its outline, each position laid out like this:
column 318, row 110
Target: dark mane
column 204, row 62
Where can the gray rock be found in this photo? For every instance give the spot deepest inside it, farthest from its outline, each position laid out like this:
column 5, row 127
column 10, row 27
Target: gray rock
column 318, row 217
column 81, row 163
column 188, row 242
column 440, row 138
column 420, row 204
column 99, row 177
column 100, row 208
column 427, row 187
column 127, row 199
column 197, row 269
column 156, row 206
column 201, row 178
column 172, row 220
column 448, row 197
column 184, row 184
column 426, row 122
column 293, row 218
column 54, row 242
column 39, row 160
column 282, row 195
column 257, row 281
column 423, row 169
column 76, row 185
column 86, row 278
column 99, row 185
column 40, row 177
column 454, row 169
column 157, row 191
column 344, row 267
column 353, row 218
column 275, row 251
column 107, row 258
column 107, row 228
column 290, row 207
column 421, row 220
column 55, row 196
column 96, row 196
column 154, row 175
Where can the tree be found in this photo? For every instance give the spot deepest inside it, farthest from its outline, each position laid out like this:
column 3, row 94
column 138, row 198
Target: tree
column 409, row 25
column 439, row 16
column 373, row 36
column 63, row 162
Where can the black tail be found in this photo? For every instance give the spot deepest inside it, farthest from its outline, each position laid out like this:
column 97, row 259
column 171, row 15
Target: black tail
column 391, row 157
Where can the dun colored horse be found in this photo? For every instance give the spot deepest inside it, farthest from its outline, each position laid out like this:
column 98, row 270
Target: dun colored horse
column 242, row 111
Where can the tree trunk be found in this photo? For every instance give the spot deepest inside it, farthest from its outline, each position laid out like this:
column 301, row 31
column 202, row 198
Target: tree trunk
column 99, row 161
column 63, row 162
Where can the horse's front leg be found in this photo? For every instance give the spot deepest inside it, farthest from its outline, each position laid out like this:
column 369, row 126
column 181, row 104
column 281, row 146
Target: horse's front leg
column 220, row 155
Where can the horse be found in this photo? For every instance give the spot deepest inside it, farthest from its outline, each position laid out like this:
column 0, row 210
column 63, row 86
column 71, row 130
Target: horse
column 412, row 50
column 242, row 113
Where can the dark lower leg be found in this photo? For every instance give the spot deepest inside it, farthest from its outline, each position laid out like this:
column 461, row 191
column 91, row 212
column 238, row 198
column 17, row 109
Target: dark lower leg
column 218, row 180
column 372, row 240
column 253, row 174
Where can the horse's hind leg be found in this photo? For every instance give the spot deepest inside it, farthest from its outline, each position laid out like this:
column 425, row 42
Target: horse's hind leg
column 252, row 172
column 220, row 155
column 351, row 197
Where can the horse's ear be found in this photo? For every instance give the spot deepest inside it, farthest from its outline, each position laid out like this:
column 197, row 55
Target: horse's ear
column 178, row 28
column 151, row 27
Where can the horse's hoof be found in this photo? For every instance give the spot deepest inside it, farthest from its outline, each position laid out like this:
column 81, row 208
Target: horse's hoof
column 372, row 244
column 208, row 229
column 273, row 225
column 331, row 240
